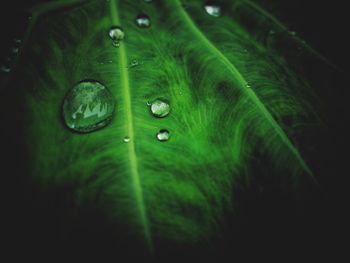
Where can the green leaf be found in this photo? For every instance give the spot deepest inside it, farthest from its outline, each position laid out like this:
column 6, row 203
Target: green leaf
column 230, row 96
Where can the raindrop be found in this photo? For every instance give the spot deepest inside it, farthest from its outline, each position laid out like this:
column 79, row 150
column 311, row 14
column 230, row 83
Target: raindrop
column 248, row 85
column 143, row 21
column 116, row 33
column 292, row 33
column 14, row 50
column 160, row 108
column 163, row 135
column 133, row 63
column 213, row 8
column 5, row 69
column 272, row 32
column 6, row 66
column 17, row 41
column 126, row 139
column 88, row 106
column 147, row 1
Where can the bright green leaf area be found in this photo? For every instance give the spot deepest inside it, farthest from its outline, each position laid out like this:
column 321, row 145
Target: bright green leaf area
column 228, row 93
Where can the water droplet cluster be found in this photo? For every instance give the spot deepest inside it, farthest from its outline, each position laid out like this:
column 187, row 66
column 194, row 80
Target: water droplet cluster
column 89, row 105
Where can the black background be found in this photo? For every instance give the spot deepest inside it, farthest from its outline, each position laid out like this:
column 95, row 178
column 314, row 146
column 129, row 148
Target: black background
column 319, row 233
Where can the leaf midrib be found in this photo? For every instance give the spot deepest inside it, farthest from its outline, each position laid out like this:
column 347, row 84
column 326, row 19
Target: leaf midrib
column 242, row 84
column 132, row 157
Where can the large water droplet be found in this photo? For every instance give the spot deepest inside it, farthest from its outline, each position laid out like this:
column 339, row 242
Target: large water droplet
column 143, row 21
column 163, row 135
column 116, row 33
column 213, row 8
column 88, row 106
column 160, row 108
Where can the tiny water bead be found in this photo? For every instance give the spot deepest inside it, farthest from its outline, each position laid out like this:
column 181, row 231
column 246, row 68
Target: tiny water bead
column 272, row 32
column 14, row 50
column 213, row 8
column 88, row 106
column 126, row 139
column 133, row 63
column 5, row 68
column 116, row 33
column 17, row 41
column 163, row 135
column 148, row 1
column 143, row 21
column 160, row 108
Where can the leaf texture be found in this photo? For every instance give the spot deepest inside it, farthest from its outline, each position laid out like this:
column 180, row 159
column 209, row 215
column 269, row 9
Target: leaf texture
column 230, row 95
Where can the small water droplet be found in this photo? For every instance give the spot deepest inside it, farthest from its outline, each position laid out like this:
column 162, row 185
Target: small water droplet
column 160, row 108
column 292, row 33
column 147, row 1
column 14, row 50
column 143, row 21
column 272, row 32
column 17, row 41
column 116, row 33
column 248, row 85
column 88, row 106
column 213, row 8
column 5, row 69
column 163, row 135
column 149, row 103
column 126, row 139
column 133, row 63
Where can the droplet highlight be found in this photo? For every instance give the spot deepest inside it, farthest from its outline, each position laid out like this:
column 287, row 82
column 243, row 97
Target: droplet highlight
column 126, row 139
column 160, row 108
column 116, row 33
column 163, row 135
column 213, row 8
column 143, row 21
column 88, row 106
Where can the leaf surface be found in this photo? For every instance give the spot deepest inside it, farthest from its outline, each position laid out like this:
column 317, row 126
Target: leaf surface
column 229, row 93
